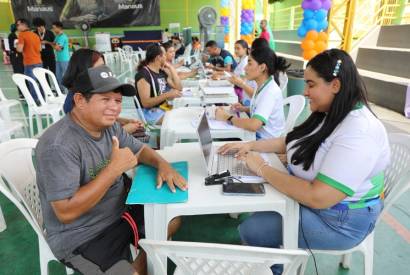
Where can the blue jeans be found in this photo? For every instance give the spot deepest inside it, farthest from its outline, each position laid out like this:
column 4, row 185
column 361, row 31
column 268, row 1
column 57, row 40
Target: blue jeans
column 324, row 229
column 61, row 67
column 153, row 115
column 28, row 71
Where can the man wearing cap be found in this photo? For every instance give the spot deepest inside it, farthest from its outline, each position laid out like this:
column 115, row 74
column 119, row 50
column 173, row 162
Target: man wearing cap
column 80, row 161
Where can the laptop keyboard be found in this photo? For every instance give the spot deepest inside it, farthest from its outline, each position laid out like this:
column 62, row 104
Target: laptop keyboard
column 236, row 167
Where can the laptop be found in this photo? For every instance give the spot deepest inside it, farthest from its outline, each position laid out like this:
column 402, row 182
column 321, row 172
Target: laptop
column 216, row 163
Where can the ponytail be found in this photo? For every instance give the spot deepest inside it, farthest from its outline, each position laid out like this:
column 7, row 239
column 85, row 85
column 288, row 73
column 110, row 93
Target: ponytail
column 152, row 51
column 274, row 64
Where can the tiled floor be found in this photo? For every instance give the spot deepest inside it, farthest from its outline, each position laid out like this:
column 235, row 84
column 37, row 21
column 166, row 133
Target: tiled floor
column 19, row 252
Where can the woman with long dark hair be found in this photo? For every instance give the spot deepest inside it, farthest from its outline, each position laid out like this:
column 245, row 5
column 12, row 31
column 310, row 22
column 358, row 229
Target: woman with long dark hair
column 156, row 82
column 170, row 58
column 80, row 61
column 267, row 118
column 337, row 159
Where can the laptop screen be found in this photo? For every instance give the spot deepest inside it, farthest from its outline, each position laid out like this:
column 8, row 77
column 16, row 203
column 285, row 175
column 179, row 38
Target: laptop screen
column 205, row 138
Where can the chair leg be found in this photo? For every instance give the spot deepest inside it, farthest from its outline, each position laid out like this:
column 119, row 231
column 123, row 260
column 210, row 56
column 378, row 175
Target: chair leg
column 69, row 271
column 345, row 260
column 43, row 259
column 368, row 256
column 30, row 118
column 3, row 225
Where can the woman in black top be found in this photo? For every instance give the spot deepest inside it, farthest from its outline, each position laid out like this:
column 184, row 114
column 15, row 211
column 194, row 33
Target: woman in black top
column 16, row 58
column 47, row 39
column 156, row 82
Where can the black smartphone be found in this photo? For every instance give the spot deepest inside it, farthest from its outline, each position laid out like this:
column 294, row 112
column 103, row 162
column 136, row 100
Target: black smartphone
column 240, row 188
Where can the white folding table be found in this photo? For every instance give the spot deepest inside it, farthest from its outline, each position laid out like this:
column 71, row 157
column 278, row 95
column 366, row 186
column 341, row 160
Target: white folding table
column 204, row 200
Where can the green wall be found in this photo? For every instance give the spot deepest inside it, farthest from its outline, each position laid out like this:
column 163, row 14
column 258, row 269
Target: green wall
column 175, row 11
column 6, row 17
column 279, row 18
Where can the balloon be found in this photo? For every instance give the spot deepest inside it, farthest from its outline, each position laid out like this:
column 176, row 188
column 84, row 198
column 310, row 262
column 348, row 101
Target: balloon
column 224, row 20
column 225, row 12
column 320, row 15
column 308, row 55
column 226, row 38
column 311, row 24
column 307, row 44
column 322, row 25
column 308, row 14
column 306, row 5
column 302, row 31
column 312, row 35
column 320, row 46
column 326, row 4
column 322, row 36
column 315, row 4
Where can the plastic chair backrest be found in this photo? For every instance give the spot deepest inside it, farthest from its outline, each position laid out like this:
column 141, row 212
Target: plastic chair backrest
column 19, row 179
column 139, row 110
column 41, row 75
column 20, row 81
column 2, row 96
column 128, row 50
column 296, row 105
column 397, row 175
column 214, row 259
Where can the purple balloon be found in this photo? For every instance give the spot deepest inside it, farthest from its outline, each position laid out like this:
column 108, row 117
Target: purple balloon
column 224, row 20
column 315, row 4
column 306, row 4
column 326, row 4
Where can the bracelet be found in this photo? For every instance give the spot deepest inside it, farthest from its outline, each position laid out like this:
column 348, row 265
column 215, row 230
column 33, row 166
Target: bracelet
column 259, row 171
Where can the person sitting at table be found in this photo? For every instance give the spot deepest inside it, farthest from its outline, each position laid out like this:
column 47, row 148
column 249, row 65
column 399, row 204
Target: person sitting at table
column 220, row 59
column 156, row 82
column 267, row 117
column 248, row 86
column 80, row 161
column 178, row 46
column 170, row 58
column 336, row 160
column 80, row 61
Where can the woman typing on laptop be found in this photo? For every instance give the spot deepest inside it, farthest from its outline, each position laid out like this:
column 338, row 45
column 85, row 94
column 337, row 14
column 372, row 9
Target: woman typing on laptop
column 337, row 159
column 267, row 118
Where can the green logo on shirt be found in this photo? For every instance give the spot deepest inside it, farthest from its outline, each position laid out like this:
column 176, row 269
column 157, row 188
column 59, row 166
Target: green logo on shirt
column 93, row 172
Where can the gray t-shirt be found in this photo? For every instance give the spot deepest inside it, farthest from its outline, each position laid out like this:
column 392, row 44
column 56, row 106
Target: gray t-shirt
column 67, row 157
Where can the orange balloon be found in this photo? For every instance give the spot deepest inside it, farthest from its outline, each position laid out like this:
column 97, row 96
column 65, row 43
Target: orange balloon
column 320, row 46
column 307, row 44
column 312, row 35
column 308, row 55
column 226, row 38
column 322, row 36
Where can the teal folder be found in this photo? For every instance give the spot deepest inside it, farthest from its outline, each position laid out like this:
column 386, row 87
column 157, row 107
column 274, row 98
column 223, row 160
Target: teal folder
column 144, row 189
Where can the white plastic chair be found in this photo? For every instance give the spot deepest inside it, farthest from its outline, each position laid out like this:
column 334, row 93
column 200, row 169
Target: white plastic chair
column 11, row 109
column 296, row 105
column 9, row 129
column 192, row 258
column 53, row 110
column 397, row 182
column 41, row 75
column 18, row 184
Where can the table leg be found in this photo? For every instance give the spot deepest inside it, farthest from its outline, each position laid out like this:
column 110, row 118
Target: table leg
column 291, row 225
column 155, row 229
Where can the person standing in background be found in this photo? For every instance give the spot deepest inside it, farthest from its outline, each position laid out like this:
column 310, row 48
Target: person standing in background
column 16, row 58
column 47, row 39
column 264, row 30
column 30, row 45
column 62, row 51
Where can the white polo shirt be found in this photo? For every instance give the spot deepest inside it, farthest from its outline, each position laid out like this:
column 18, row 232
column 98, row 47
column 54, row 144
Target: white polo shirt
column 352, row 159
column 267, row 106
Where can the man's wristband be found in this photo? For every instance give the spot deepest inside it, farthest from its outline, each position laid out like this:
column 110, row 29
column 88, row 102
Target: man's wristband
column 229, row 120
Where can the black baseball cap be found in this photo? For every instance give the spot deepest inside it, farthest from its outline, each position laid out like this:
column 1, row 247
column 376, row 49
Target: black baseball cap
column 99, row 80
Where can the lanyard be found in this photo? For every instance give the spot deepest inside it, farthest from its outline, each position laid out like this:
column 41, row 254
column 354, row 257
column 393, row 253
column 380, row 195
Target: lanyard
column 258, row 91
